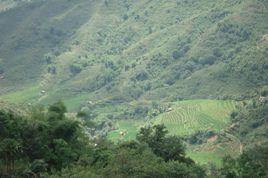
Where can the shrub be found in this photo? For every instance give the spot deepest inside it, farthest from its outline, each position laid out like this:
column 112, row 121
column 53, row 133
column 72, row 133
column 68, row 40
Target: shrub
column 125, row 17
column 75, row 69
column 207, row 60
column 141, row 76
column 183, row 49
column 176, row 54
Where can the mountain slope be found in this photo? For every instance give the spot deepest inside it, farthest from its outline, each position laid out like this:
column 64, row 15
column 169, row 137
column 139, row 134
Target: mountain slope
column 135, row 52
column 31, row 30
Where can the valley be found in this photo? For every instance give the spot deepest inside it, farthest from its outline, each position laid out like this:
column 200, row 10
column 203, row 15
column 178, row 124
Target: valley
column 179, row 87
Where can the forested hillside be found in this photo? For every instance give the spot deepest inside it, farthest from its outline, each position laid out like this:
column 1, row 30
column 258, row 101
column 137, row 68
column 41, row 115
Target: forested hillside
column 121, row 51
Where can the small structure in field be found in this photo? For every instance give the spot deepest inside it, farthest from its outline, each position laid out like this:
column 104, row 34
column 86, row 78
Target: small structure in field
column 122, row 133
column 213, row 138
column 169, row 109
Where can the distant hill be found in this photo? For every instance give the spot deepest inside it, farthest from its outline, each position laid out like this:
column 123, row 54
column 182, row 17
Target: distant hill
column 113, row 52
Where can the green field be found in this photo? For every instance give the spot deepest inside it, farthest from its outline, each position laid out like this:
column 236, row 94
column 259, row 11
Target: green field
column 29, row 93
column 192, row 115
column 187, row 117
column 131, row 128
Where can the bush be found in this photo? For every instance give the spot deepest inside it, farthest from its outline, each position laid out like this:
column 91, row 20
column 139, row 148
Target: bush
column 141, row 76
column 207, row 60
column 176, row 54
column 125, row 17
column 234, row 114
column 75, row 69
column 252, row 163
column 217, row 52
column 141, row 111
column 180, row 52
column 233, row 32
column 52, row 70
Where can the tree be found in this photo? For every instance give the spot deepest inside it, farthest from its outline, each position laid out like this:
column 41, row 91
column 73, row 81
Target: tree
column 252, row 163
column 61, row 154
column 75, row 69
column 36, row 168
column 229, row 168
column 65, row 129
column 133, row 159
column 10, row 123
column 141, row 76
column 9, row 150
column 35, row 138
column 4, row 121
column 176, row 54
column 57, row 110
column 166, row 147
column 42, row 139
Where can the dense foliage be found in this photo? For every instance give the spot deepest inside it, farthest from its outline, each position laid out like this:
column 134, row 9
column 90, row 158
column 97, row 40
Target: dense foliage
column 250, row 122
column 45, row 142
column 42, row 141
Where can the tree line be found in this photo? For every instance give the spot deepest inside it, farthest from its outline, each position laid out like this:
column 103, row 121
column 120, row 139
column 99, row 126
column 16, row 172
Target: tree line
column 47, row 143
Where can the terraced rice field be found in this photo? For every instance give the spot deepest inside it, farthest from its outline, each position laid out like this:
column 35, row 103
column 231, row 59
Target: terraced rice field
column 186, row 117
column 189, row 116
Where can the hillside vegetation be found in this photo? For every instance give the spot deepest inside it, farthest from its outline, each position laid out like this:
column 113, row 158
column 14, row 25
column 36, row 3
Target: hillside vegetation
column 44, row 142
column 185, row 117
column 154, row 88
column 191, row 117
column 110, row 51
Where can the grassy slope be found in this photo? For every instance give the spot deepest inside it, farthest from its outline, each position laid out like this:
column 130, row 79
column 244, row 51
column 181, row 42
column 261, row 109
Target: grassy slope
column 192, row 115
column 131, row 128
column 30, row 32
column 214, row 151
column 185, row 118
column 115, row 42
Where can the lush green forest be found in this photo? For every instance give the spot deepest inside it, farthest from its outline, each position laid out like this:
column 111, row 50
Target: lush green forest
column 46, row 143
column 127, row 88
